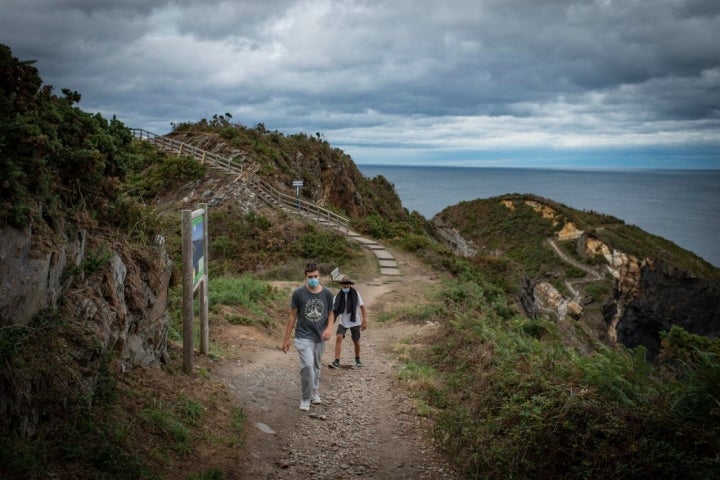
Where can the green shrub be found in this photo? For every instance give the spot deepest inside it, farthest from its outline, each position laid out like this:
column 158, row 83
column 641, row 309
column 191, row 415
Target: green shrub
column 322, row 246
column 169, row 173
column 228, row 133
column 598, row 291
column 413, row 242
column 253, row 295
column 513, row 403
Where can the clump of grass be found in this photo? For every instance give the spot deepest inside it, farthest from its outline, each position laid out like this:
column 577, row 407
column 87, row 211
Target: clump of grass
column 255, row 297
column 247, row 292
column 239, row 417
column 163, row 421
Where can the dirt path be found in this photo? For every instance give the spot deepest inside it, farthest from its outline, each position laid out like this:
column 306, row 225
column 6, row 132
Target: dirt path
column 592, row 274
column 366, row 426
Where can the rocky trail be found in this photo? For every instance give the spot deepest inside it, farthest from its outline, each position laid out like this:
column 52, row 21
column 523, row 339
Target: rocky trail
column 366, row 427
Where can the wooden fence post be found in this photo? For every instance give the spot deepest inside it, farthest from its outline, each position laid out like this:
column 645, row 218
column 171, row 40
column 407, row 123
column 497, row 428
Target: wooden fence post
column 187, row 296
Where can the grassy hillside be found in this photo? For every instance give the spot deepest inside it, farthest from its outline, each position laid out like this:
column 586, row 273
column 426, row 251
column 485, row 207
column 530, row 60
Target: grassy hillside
column 519, row 233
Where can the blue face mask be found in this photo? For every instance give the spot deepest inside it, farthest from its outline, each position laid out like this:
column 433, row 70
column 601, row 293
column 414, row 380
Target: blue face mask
column 346, row 290
column 313, row 282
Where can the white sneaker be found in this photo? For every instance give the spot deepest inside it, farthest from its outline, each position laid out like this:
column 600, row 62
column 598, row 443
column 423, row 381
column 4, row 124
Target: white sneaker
column 316, row 399
column 305, row 405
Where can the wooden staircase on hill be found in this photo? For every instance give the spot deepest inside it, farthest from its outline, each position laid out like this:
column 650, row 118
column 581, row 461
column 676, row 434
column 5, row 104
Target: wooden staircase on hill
column 269, row 194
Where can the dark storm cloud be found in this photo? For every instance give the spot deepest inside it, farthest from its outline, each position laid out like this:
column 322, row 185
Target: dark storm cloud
column 453, row 74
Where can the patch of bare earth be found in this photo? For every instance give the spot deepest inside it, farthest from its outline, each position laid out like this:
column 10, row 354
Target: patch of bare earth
column 367, row 425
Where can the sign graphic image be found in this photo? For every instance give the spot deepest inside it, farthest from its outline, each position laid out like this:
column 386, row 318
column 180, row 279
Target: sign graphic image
column 198, row 248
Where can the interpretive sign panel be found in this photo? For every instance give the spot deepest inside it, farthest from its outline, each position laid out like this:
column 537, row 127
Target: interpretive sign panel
column 198, row 242
column 195, row 276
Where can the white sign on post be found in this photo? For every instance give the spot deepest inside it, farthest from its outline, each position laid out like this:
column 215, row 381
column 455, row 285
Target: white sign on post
column 297, row 184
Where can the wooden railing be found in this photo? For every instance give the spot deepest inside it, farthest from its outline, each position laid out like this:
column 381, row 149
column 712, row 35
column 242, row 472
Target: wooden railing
column 182, row 149
column 269, row 193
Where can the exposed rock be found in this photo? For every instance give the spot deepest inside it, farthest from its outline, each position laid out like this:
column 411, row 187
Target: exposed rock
column 543, row 210
column 30, row 280
column 455, row 240
column 549, row 297
column 591, row 246
column 650, row 298
column 122, row 306
column 569, row 232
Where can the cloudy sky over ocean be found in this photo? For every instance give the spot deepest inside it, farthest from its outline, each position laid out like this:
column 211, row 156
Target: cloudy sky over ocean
column 535, row 83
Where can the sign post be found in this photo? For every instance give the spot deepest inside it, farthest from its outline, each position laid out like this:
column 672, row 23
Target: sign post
column 297, row 184
column 195, row 274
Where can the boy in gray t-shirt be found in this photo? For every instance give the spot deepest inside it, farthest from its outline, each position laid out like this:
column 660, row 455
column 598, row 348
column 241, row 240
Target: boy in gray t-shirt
column 311, row 307
column 312, row 312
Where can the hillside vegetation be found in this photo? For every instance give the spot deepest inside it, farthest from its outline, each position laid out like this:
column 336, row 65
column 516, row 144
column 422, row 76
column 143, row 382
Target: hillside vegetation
column 512, row 395
column 519, row 233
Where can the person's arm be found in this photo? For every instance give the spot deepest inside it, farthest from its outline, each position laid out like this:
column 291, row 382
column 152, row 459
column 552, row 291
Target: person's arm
column 292, row 316
column 363, row 325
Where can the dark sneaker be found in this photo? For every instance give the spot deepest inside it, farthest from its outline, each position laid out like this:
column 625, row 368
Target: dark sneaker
column 335, row 364
column 358, row 363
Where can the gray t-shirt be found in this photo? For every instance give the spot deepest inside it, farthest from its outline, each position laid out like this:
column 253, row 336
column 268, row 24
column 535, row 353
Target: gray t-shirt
column 312, row 312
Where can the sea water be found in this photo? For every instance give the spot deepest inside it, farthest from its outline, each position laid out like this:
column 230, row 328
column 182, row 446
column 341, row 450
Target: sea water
column 682, row 206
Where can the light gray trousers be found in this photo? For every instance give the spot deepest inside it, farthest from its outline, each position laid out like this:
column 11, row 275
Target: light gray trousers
column 310, row 366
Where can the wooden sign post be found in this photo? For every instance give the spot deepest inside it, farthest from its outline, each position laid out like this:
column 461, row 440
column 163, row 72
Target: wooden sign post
column 195, row 276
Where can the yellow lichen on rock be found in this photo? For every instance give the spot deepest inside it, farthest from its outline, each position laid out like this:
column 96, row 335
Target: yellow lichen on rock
column 543, row 210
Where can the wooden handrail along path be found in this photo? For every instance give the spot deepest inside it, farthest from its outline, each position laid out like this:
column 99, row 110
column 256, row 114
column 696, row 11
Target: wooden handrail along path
column 271, row 195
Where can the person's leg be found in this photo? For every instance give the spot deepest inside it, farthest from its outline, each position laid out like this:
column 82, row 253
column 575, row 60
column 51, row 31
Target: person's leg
column 306, row 350
column 355, row 335
column 338, row 345
column 318, row 350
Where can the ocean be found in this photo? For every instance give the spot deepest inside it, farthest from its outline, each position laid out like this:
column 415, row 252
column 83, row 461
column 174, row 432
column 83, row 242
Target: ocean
column 682, row 206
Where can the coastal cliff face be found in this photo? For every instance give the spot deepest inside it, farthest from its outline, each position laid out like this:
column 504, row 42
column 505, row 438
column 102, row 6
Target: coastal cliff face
column 124, row 296
column 650, row 297
column 115, row 294
column 648, row 294
column 658, row 297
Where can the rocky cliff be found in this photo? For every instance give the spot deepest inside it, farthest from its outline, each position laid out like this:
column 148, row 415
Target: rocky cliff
column 113, row 296
column 652, row 297
column 652, row 288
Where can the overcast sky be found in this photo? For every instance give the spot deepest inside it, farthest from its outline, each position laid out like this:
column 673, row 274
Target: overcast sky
column 540, row 83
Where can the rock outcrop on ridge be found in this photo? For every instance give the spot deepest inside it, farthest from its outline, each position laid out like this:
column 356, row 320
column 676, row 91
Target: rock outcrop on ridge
column 646, row 294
